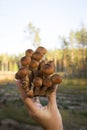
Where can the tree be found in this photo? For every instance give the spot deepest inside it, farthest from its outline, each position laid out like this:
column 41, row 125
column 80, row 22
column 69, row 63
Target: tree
column 34, row 34
column 65, row 44
column 72, row 42
column 81, row 39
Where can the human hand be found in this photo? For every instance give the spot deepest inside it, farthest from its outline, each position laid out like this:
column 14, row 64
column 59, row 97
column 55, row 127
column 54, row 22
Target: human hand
column 48, row 116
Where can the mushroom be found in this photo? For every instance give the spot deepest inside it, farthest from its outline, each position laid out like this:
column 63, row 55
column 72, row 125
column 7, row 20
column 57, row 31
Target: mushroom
column 37, row 83
column 48, row 68
column 56, row 79
column 33, row 67
column 41, row 63
column 25, row 61
column 33, row 64
column 37, row 55
column 45, row 85
column 17, row 76
column 41, row 49
column 47, row 82
column 23, row 74
column 29, row 52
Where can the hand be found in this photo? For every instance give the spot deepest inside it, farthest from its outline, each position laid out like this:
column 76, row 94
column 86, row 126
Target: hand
column 48, row 116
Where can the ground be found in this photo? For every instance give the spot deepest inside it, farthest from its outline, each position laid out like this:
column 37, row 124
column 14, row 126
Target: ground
column 71, row 100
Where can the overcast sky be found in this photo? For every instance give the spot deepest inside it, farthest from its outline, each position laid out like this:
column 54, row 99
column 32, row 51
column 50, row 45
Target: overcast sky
column 52, row 17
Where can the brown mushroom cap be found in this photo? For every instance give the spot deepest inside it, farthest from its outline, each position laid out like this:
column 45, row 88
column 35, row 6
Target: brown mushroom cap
column 56, row 79
column 47, row 82
column 41, row 64
column 29, row 52
column 17, row 76
column 42, row 50
column 33, row 64
column 48, row 68
column 37, row 82
column 25, row 61
column 22, row 72
column 37, row 55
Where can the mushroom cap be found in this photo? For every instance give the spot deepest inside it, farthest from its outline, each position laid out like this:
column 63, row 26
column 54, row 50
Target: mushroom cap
column 17, row 76
column 29, row 52
column 47, row 82
column 48, row 68
column 56, row 79
column 37, row 82
column 25, row 60
column 41, row 64
column 42, row 50
column 33, row 64
column 37, row 55
column 22, row 72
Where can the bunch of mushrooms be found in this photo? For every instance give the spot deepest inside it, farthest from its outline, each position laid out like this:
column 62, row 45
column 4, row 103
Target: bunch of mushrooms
column 37, row 75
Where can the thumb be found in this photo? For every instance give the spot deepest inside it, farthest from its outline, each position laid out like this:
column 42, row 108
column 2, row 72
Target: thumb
column 52, row 98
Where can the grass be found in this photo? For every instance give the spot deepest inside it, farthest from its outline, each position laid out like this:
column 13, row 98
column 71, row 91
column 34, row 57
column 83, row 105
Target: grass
column 16, row 112
column 74, row 119
column 74, row 86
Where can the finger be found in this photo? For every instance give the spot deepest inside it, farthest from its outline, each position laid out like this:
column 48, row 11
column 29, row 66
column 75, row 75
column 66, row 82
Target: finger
column 52, row 98
column 27, row 101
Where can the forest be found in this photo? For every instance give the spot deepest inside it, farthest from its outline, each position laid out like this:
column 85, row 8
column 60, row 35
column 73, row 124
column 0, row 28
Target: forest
column 70, row 60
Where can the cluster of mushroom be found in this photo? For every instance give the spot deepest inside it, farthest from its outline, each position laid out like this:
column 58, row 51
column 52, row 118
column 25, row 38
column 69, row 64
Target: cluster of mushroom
column 37, row 75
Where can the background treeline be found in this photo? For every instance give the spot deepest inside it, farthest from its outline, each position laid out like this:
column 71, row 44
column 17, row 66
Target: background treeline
column 70, row 60
column 67, row 65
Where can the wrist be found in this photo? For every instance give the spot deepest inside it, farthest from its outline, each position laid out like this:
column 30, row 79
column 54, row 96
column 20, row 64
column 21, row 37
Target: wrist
column 56, row 128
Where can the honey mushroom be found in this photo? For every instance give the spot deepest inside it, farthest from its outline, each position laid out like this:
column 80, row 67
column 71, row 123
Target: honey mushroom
column 37, row 82
column 45, row 85
column 29, row 52
column 25, row 61
column 33, row 67
column 41, row 63
column 42, row 50
column 48, row 68
column 37, row 55
column 56, row 80
column 22, row 74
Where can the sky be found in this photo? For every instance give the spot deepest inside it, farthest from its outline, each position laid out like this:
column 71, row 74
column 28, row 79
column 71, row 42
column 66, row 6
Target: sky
column 54, row 18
